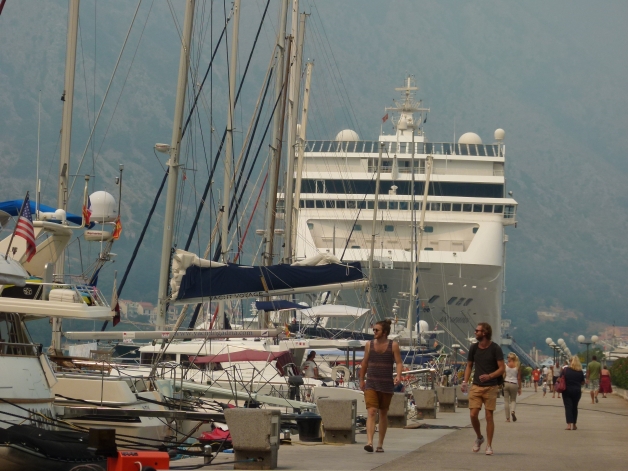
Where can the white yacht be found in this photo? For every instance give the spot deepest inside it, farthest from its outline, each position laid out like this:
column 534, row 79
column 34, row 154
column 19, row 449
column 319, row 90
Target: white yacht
column 462, row 249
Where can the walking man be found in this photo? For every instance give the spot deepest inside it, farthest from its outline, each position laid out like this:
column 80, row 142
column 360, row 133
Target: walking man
column 488, row 359
column 594, row 369
column 379, row 356
column 536, row 376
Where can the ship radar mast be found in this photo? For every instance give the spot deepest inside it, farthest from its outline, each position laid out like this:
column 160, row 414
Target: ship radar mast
column 403, row 112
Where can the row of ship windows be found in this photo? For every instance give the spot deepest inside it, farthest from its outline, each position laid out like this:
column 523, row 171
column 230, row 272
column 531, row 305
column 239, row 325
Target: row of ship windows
column 405, row 205
column 434, row 148
column 387, row 228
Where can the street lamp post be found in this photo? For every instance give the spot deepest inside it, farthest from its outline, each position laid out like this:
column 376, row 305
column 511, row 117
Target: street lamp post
column 582, row 339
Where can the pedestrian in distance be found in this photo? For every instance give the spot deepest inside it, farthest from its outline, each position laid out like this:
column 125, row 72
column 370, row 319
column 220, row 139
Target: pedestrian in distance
column 488, row 359
column 377, row 364
column 593, row 378
column 549, row 377
column 605, row 382
column 536, row 376
column 512, row 385
column 574, row 379
column 555, row 375
column 544, row 388
column 309, row 368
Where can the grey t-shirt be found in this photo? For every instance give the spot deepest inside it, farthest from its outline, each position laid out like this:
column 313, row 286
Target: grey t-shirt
column 485, row 361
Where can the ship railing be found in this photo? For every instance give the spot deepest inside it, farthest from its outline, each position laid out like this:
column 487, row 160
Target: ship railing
column 19, row 349
column 420, row 148
column 83, row 293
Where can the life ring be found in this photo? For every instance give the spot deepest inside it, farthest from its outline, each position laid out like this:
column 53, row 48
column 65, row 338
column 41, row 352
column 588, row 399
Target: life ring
column 346, row 374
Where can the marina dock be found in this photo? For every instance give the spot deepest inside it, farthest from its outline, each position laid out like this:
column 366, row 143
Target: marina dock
column 538, row 440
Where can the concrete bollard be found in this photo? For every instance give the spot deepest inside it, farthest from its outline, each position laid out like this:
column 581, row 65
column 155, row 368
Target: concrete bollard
column 461, row 400
column 425, row 403
column 398, row 411
column 446, row 399
column 255, row 435
column 338, row 419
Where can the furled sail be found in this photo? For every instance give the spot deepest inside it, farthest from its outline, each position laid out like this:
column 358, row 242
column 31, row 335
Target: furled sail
column 197, row 280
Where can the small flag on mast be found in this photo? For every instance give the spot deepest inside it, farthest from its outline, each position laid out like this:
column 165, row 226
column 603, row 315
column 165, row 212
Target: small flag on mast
column 385, row 118
column 87, row 212
column 118, row 230
column 24, row 229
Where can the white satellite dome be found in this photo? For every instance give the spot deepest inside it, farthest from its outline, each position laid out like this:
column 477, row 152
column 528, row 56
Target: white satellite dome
column 103, row 206
column 423, row 327
column 347, row 135
column 500, row 134
column 470, row 138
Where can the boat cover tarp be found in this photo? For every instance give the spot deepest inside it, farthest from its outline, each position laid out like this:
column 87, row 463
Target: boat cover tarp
column 283, row 358
column 13, row 207
column 278, row 305
column 70, row 447
column 239, row 281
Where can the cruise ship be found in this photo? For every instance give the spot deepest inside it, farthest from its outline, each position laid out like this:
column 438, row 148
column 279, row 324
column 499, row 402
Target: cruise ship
column 462, row 254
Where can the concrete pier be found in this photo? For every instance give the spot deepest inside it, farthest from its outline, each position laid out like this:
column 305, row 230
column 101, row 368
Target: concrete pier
column 538, row 440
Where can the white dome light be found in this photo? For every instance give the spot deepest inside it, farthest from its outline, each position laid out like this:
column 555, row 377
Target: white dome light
column 347, row 135
column 104, row 207
column 470, row 138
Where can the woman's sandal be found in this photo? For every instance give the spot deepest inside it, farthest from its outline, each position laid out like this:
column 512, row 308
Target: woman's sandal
column 379, row 450
column 369, row 448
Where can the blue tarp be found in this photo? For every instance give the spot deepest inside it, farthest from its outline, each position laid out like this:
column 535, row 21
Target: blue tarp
column 277, row 305
column 239, row 281
column 13, row 208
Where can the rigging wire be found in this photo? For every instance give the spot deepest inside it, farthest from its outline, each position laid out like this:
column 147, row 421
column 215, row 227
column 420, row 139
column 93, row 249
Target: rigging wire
column 93, row 129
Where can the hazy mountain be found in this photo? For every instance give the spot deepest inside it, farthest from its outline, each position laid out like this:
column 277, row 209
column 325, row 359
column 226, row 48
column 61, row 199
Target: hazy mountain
column 552, row 74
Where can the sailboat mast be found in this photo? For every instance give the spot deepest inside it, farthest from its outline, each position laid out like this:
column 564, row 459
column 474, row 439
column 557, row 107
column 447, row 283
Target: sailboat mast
column 275, row 144
column 301, row 145
column 173, row 165
column 298, row 31
column 413, row 308
column 66, row 138
column 229, row 149
column 373, row 233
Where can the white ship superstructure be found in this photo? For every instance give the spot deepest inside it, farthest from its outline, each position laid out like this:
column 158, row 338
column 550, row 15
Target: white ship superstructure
column 463, row 247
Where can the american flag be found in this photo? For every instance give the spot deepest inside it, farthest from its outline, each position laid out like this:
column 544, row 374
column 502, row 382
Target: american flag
column 24, row 229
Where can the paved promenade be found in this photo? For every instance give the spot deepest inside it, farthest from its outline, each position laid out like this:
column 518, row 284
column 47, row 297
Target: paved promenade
column 537, row 441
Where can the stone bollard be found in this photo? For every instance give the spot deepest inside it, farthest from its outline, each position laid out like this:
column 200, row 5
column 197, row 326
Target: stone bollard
column 255, row 435
column 446, row 399
column 398, row 411
column 461, row 400
column 425, row 403
column 338, row 419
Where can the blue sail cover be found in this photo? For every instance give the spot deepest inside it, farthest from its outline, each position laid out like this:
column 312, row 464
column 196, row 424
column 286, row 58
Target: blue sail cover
column 13, row 207
column 239, row 281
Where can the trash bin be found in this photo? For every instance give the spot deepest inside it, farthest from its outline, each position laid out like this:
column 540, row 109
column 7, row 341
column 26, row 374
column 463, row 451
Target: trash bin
column 309, row 425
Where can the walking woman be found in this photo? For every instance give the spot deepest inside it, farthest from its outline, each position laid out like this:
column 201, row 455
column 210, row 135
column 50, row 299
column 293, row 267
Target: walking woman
column 512, row 385
column 574, row 379
column 605, row 381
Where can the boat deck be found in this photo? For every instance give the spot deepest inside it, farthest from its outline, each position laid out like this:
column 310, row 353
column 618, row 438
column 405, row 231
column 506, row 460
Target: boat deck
column 536, row 441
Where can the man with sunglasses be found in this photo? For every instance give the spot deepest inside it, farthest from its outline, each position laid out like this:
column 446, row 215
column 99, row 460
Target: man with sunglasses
column 488, row 359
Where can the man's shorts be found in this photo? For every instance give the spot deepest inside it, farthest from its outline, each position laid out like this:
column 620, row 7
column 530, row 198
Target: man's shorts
column 594, row 384
column 486, row 395
column 377, row 399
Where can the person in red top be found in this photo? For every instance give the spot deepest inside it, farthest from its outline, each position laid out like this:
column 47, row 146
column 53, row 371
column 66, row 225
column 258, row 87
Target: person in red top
column 536, row 375
column 379, row 356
